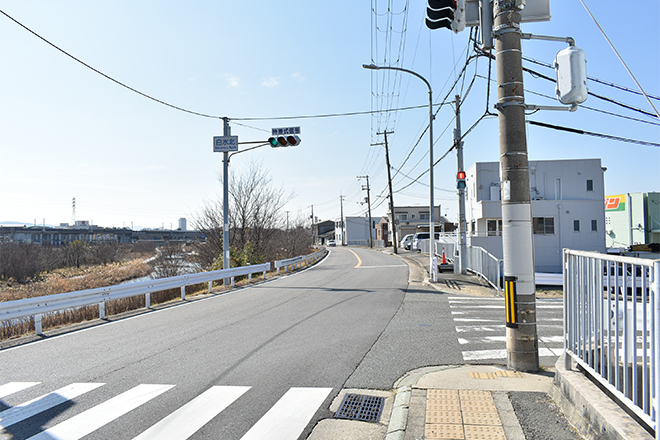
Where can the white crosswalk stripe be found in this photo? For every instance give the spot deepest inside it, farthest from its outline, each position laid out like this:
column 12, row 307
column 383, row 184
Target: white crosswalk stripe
column 188, row 419
column 40, row 404
column 89, row 421
column 285, row 420
column 479, row 326
column 289, row 416
column 15, row 387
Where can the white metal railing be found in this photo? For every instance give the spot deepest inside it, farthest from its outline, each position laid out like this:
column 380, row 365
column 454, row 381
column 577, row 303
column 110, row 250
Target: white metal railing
column 486, row 265
column 40, row 305
column 298, row 261
column 612, row 326
column 449, row 249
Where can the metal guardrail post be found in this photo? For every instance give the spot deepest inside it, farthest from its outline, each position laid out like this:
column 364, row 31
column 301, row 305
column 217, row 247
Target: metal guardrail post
column 183, row 292
column 102, row 310
column 37, row 325
column 147, row 300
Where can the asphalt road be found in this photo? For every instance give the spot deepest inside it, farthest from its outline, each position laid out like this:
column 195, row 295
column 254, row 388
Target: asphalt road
column 230, row 366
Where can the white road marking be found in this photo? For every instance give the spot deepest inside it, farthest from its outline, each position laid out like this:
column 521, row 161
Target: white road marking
column 477, row 355
column 289, row 416
column 40, row 404
column 89, row 421
column 498, row 339
column 188, row 419
column 15, row 387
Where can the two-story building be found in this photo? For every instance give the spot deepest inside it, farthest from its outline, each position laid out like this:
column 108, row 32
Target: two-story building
column 632, row 219
column 567, row 199
column 412, row 219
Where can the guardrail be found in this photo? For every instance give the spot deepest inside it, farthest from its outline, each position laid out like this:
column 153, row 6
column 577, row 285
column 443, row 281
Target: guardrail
column 612, row 326
column 485, row 265
column 40, row 305
column 298, row 261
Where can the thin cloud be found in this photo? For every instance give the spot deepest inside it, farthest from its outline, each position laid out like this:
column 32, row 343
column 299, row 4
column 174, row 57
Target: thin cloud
column 270, row 81
column 233, row 81
column 298, row 77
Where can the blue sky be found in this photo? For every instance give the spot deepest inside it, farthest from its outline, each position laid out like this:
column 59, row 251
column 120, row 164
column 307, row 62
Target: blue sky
column 69, row 132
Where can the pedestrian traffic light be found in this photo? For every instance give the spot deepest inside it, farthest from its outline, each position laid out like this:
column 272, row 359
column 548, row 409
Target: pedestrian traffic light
column 460, row 180
column 449, row 14
column 284, row 141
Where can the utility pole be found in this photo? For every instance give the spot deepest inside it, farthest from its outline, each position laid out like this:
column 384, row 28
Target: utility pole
column 389, row 183
column 312, row 226
column 462, row 225
column 369, row 206
column 517, row 243
column 341, row 205
column 226, row 261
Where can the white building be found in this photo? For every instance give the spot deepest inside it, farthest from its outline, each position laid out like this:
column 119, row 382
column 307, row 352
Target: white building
column 355, row 231
column 567, row 208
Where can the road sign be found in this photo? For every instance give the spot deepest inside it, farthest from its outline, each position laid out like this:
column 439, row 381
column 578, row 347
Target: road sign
column 222, row 144
column 284, row 131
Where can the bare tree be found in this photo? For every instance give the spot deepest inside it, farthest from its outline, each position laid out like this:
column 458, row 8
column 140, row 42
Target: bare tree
column 256, row 216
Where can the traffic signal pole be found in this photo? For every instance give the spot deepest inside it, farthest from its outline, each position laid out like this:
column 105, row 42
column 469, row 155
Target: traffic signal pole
column 517, row 243
column 226, row 262
column 462, row 225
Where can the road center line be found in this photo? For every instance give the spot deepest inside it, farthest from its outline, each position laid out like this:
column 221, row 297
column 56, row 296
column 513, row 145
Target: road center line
column 358, row 258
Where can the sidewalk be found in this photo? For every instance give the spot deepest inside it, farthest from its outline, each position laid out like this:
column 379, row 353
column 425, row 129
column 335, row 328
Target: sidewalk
column 468, row 402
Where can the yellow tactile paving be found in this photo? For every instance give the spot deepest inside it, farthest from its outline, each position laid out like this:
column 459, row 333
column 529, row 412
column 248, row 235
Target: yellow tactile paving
column 477, row 375
column 462, row 415
column 451, row 417
column 506, row 373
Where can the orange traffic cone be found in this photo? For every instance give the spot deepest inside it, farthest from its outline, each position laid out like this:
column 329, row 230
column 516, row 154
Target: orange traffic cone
column 444, row 258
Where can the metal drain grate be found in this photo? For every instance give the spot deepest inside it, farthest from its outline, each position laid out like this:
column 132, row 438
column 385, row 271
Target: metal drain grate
column 360, row 407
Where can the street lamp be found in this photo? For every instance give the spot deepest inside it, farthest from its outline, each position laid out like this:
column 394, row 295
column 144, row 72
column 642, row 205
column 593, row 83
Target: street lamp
column 433, row 270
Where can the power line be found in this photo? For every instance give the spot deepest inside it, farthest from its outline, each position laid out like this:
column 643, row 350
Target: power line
column 108, row 76
column 590, row 133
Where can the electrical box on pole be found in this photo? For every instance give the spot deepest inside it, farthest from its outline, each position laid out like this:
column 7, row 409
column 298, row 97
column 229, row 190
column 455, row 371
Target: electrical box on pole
column 571, row 67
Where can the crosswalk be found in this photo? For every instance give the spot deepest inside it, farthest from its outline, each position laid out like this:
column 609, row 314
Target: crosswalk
column 285, row 420
column 479, row 323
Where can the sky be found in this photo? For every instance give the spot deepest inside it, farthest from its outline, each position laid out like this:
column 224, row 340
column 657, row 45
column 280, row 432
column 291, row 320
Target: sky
column 66, row 131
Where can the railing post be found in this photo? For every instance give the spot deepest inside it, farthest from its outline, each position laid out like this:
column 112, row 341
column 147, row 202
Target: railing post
column 265, row 274
column 183, row 292
column 249, row 278
column 210, row 286
column 102, row 310
column 37, row 325
column 232, row 281
column 567, row 294
column 655, row 317
column 147, row 300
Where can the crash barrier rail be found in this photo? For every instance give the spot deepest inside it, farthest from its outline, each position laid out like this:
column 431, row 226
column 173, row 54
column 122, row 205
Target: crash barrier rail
column 38, row 306
column 612, row 326
column 484, row 264
column 298, row 261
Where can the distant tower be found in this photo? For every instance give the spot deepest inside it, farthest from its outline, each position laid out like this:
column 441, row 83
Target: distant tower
column 73, row 212
column 182, row 224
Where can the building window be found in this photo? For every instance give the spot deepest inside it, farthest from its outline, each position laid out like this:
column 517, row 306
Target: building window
column 576, row 225
column 494, row 227
column 402, row 217
column 594, row 225
column 425, row 216
column 590, row 185
column 412, row 216
column 544, row 225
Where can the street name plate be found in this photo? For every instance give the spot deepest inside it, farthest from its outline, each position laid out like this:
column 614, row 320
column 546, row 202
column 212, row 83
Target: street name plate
column 222, row 144
column 285, row 131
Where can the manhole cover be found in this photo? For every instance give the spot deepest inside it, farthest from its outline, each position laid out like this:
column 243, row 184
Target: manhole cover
column 360, row 407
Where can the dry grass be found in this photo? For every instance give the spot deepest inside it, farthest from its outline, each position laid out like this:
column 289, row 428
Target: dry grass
column 69, row 280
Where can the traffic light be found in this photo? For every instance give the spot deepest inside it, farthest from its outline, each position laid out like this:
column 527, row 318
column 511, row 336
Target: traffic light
column 284, row 141
column 460, row 180
column 449, row 14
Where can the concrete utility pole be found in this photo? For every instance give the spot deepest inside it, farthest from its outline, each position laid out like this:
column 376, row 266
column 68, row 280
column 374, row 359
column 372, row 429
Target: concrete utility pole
column 369, row 206
column 389, row 183
column 517, row 243
column 341, row 205
column 462, row 225
column 226, row 262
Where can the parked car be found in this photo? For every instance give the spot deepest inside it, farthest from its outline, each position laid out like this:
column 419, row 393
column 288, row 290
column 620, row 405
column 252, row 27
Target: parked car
column 332, row 243
column 418, row 237
column 406, row 241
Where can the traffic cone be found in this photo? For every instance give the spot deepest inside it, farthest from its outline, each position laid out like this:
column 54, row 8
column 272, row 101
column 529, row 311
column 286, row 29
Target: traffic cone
column 444, row 258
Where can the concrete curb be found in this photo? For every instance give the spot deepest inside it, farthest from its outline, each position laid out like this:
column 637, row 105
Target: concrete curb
column 590, row 410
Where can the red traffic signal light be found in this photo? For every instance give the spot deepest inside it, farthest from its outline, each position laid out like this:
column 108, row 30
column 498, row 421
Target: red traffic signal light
column 460, row 180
